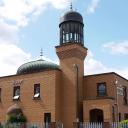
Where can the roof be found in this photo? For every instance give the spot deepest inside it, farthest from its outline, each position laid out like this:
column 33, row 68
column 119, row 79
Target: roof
column 107, row 73
column 71, row 16
column 36, row 66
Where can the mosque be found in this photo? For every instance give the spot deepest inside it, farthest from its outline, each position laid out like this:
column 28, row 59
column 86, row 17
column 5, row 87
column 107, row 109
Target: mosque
column 47, row 92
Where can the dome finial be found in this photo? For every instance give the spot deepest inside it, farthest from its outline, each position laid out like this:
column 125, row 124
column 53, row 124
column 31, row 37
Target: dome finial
column 41, row 53
column 71, row 5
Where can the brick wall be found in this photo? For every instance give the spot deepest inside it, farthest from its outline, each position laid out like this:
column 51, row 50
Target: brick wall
column 33, row 109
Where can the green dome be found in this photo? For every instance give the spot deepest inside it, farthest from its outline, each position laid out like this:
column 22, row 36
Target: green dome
column 36, row 66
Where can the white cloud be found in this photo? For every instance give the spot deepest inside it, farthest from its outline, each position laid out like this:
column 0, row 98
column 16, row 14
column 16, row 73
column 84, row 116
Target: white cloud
column 118, row 48
column 8, row 33
column 93, row 66
column 11, row 57
column 21, row 11
column 15, row 14
column 123, row 72
column 60, row 4
column 93, row 6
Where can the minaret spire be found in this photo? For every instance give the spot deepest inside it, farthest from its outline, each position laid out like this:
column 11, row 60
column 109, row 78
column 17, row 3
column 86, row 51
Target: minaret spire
column 71, row 5
column 41, row 53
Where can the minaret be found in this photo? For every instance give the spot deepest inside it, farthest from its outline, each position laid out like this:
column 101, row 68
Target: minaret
column 71, row 53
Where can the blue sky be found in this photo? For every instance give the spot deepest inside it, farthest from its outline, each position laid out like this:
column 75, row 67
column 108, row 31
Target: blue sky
column 26, row 26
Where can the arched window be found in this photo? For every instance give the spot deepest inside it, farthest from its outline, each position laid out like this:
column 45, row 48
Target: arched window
column 101, row 89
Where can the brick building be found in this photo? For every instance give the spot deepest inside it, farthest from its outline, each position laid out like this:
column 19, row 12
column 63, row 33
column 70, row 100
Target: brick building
column 46, row 92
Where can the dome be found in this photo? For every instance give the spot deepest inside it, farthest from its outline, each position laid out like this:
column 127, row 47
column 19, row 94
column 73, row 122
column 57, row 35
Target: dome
column 36, row 66
column 71, row 16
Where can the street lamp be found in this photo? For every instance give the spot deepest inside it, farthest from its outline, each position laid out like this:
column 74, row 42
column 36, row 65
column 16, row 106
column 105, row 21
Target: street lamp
column 77, row 91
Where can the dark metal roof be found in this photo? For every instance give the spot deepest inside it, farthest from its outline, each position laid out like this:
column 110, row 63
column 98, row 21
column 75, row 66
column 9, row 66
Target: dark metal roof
column 71, row 16
column 36, row 66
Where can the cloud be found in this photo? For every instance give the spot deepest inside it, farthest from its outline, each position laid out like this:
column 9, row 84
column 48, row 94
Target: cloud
column 93, row 66
column 117, row 48
column 93, row 6
column 14, row 15
column 60, row 4
column 8, row 33
column 11, row 57
column 20, row 12
column 123, row 72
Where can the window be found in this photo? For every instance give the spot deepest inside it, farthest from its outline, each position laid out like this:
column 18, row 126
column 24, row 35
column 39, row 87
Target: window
column 75, row 36
column 47, row 117
column 71, row 36
column 67, row 37
column 125, row 116
column 101, row 89
column 119, row 116
column 125, row 95
column 63, row 36
column 36, row 90
column 113, row 113
column 16, row 93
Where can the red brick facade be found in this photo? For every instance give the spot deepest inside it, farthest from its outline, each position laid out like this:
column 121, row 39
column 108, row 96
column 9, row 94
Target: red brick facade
column 64, row 94
column 58, row 92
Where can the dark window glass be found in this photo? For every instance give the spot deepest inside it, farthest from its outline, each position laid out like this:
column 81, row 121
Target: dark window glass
column 113, row 113
column 125, row 116
column 125, row 95
column 101, row 89
column 36, row 90
column 119, row 117
column 47, row 117
column 16, row 93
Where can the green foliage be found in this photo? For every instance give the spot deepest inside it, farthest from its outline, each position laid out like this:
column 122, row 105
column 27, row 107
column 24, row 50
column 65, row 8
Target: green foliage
column 124, row 121
column 1, row 126
column 17, row 118
column 124, row 124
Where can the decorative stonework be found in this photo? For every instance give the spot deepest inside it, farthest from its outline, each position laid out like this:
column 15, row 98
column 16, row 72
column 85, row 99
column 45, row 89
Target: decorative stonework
column 17, row 82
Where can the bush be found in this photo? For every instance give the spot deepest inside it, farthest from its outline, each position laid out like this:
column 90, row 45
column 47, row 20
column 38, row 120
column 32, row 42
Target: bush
column 124, row 121
column 17, row 119
column 124, row 124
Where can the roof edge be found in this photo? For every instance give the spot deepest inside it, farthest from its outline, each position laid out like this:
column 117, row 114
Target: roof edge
column 28, row 73
column 106, row 73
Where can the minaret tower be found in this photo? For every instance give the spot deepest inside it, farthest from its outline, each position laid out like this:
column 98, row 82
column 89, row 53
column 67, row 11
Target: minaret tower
column 71, row 53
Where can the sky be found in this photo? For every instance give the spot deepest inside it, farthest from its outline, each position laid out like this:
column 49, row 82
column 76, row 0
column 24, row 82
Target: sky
column 26, row 26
